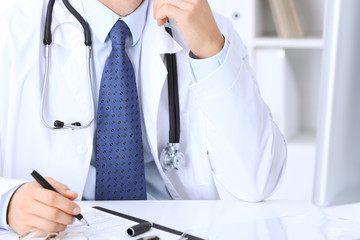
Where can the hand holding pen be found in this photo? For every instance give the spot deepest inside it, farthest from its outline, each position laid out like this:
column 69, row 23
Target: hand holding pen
column 33, row 208
column 45, row 184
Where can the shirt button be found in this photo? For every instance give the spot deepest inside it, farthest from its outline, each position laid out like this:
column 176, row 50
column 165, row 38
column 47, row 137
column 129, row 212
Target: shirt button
column 81, row 149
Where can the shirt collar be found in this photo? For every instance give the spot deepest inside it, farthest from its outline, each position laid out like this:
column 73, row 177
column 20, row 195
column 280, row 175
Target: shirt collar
column 101, row 19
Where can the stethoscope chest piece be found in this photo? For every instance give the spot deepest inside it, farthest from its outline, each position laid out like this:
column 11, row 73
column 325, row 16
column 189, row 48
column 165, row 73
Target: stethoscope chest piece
column 171, row 158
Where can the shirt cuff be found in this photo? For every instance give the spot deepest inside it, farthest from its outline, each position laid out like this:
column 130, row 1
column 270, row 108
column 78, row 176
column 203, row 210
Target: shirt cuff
column 4, row 204
column 201, row 68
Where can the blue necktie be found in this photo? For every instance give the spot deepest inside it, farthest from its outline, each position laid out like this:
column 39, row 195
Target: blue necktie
column 119, row 150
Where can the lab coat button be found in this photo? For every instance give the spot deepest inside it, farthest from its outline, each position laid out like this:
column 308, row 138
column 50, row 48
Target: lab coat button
column 81, row 149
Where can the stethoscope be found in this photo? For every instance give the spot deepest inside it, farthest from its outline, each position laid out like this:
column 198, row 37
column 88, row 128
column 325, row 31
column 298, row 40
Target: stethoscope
column 170, row 157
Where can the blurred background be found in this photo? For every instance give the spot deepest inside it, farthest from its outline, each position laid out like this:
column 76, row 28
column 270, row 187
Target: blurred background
column 288, row 72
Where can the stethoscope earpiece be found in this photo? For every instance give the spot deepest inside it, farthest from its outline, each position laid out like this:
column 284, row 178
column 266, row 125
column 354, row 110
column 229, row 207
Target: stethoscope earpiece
column 58, row 124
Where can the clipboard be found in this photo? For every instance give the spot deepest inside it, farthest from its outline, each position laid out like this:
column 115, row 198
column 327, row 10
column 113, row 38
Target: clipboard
column 155, row 225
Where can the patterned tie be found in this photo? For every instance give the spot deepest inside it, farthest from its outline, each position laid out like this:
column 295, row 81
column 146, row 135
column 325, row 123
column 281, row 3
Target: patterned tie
column 119, row 150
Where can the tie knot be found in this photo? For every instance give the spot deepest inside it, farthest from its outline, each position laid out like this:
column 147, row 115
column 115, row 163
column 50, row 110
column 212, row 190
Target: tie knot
column 119, row 32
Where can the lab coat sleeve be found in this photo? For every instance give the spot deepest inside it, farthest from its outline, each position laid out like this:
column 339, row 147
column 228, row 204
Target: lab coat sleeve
column 7, row 48
column 4, row 203
column 246, row 150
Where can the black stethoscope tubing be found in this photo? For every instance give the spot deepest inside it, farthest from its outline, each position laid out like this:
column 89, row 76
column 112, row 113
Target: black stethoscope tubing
column 173, row 96
column 47, row 31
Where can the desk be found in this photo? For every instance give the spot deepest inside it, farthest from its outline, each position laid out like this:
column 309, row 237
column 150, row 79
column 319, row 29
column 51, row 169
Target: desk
column 240, row 220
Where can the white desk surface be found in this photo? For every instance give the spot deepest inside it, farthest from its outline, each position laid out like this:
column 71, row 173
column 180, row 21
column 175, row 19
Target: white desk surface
column 240, row 220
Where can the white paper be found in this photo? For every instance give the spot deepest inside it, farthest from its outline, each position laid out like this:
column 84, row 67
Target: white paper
column 103, row 226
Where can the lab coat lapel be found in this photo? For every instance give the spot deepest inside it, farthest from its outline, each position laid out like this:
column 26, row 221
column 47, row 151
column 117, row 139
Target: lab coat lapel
column 155, row 43
column 69, row 39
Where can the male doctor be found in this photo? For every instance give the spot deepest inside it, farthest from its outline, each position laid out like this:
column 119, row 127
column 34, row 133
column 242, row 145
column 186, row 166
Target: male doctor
column 229, row 140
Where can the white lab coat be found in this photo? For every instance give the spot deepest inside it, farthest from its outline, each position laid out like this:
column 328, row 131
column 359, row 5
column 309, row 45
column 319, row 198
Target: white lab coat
column 230, row 142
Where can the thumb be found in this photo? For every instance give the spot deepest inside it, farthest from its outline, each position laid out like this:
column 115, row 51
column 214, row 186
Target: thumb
column 62, row 189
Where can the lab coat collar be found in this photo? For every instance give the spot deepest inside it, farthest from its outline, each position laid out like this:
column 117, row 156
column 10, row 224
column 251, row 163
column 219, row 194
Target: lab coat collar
column 162, row 42
column 95, row 10
column 160, row 39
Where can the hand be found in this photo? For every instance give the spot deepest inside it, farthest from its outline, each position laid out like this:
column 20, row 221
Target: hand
column 196, row 23
column 34, row 208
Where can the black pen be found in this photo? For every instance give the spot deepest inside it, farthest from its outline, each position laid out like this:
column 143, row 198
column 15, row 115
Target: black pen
column 45, row 184
column 139, row 228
